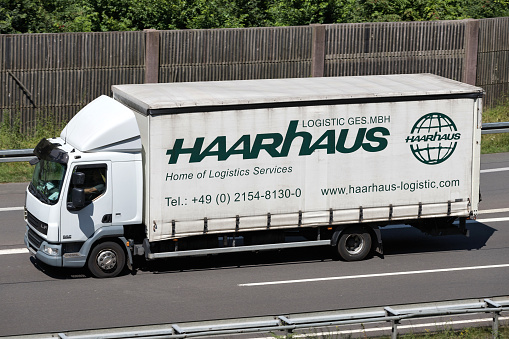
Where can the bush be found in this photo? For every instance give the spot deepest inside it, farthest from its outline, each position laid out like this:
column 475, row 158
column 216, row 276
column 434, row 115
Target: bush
column 496, row 143
column 13, row 136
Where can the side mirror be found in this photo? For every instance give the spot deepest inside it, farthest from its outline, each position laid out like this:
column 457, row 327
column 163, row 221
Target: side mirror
column 34, row 161
column 78, row 178
column 77, row 199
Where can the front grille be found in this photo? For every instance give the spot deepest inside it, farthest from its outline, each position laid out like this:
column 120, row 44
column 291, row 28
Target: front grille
column 34, row 239
column 40, row 226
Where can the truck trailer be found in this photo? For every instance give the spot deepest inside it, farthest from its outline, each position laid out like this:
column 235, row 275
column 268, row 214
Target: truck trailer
column 194, row 169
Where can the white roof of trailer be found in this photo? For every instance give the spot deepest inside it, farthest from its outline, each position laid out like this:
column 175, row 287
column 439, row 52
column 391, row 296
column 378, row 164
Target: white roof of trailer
column 160, row 96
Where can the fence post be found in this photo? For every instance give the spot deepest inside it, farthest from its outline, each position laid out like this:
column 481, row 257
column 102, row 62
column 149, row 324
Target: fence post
column 471, row 46
column 318, row 50
column 151, row 56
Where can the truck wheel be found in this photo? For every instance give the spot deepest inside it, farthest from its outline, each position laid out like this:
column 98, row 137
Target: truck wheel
column 354, row 244
column 106, row 260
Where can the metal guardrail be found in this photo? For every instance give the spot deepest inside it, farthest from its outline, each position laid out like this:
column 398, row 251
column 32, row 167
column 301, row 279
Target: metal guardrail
column 495, row 127
column 19, row 155
column 289, row 323
column 16, row 155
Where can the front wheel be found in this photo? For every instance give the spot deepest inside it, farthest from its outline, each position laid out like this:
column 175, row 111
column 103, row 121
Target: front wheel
column 354, row 244
column 106, row 260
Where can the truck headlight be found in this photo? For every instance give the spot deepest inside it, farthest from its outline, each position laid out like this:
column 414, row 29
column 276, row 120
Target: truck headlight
column 50, row 250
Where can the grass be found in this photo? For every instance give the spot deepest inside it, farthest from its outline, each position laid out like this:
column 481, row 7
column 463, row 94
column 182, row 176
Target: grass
column 496, row 143
column 466, row 333
column 15, row 172
column 12, row 136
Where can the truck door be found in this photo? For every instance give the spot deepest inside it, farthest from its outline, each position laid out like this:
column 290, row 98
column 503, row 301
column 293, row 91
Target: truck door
column 80, row 224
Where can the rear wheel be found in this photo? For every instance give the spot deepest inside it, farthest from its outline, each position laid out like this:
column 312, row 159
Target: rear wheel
column 106, row 260
column 354, row 244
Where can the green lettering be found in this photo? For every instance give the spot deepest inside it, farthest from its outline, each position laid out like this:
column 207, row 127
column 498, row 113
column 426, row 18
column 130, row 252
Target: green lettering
column 291, row 134
column 177, row 150
column 220, row 142
column 258, row 145
column 340, row 146
column 245, row 141
column 330, row 137
column 380, row 142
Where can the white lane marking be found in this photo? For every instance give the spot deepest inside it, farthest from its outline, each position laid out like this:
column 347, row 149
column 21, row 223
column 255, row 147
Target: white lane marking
column 8, row 209
column 496, row 210
column 432, row 327
column 376, row 275
column 491, row 220
column 495, row 170
column 400, row 226
column 14, row 251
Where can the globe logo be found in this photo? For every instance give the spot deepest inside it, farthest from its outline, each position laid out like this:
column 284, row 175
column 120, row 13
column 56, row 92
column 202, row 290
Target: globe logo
column 433, row 138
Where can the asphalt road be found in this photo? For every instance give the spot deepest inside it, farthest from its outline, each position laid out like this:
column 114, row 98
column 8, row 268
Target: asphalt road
column 416, row 268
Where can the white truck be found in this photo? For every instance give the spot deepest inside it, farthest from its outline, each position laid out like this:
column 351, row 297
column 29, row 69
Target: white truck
column 190, row 169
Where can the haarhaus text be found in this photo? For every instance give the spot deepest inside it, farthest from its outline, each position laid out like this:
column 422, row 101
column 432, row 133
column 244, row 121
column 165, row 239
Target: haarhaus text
column 277, row 145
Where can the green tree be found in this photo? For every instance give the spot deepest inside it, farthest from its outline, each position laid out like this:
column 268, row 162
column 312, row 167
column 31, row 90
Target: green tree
column 43, row 16
column 39, row 16
column 159, row 14
column 22, row 16
column 299, row 12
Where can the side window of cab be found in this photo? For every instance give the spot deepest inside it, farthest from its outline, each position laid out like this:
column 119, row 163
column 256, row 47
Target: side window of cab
column 94, row 184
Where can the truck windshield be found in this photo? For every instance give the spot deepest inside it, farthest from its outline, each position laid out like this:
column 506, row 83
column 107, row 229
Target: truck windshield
column 47, row 181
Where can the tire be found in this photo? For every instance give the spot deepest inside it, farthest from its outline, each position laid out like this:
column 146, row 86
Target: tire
column 106, row 260
column 354, row 244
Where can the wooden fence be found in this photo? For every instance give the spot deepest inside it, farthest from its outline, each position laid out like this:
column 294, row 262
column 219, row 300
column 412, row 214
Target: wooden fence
column 60, row 73
column 493, row 59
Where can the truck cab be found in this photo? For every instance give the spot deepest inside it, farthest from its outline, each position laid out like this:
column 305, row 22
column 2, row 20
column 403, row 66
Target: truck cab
column 71, row 208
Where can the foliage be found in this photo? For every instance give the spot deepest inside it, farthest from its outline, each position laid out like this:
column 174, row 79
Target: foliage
column 437, row 333
column 15, row 172
column 495, row 143
column 450, row 333
column 12, row 136
column 46, row 16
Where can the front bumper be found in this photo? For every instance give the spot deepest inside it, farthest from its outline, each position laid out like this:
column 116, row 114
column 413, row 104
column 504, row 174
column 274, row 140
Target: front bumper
column 50, row 254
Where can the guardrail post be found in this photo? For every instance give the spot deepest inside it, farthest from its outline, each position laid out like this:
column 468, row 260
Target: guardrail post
column 286, row 322
column 177, row 330
column 495, row 325
column 394, row 331
column 491, row 304
column 395, row 322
